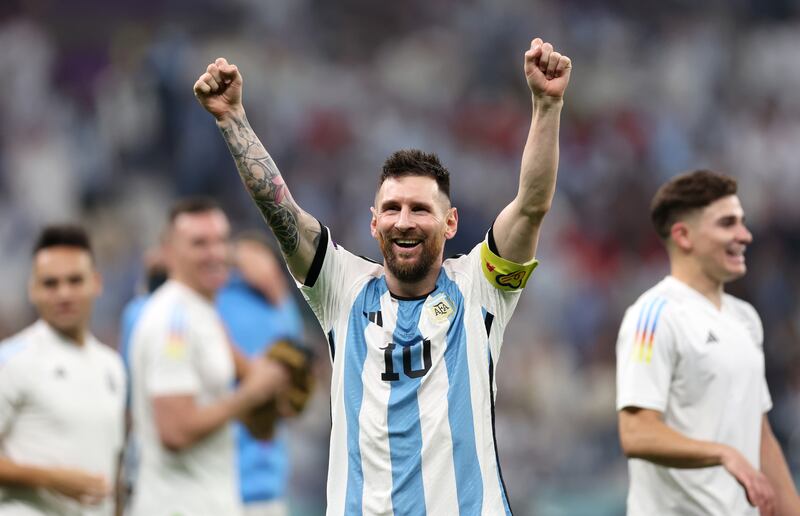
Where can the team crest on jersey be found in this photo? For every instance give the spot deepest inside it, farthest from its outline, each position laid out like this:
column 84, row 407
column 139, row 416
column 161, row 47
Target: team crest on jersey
column 440, row 308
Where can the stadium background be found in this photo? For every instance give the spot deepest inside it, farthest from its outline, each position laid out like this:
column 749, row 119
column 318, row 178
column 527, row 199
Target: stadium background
column 98, row 124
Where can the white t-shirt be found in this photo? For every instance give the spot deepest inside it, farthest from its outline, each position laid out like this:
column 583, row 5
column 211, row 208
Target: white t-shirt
column 412, row 389
column 61, row 405
column 179, row 347
column 703, row 368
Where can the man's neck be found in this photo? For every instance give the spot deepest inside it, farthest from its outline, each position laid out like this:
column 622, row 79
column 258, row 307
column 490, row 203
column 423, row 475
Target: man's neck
column 208, row 296
column 419, row 288
column 694, row 277
column 77, row 336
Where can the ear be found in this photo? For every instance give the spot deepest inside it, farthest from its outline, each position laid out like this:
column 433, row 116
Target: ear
column 681, row 235
column 373, row 224
column 451, row 223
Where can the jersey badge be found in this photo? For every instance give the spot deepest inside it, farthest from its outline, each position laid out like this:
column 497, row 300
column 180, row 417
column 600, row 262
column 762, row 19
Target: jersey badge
column 440, row 308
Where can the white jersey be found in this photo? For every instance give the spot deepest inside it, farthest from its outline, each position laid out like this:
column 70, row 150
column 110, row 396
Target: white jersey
column 61, row 405
column 413, row 383
column 179, row 347
column 703, row 368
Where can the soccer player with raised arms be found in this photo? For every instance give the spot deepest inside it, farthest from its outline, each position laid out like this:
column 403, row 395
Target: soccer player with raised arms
column 414, row 341
column 691, row 392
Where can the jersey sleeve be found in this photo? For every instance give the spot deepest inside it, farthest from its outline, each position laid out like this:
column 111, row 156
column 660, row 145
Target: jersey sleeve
column 12, row 383
column 170, row 369
column 646, row 356
column 333, row 276
column 497, row 281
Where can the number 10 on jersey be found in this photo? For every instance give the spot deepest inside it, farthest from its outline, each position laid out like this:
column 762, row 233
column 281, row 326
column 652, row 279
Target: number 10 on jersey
column 391, row 376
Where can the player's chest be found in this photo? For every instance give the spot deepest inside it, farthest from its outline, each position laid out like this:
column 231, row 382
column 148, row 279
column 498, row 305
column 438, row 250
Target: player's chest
column 65, row 391
column 211, row 357
column 719, row 352
column 410, row 341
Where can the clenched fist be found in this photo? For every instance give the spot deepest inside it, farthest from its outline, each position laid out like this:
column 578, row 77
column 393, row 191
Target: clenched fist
column 219, row 90
column 546, row 70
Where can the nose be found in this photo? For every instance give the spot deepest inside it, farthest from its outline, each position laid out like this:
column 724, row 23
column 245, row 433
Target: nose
column 63, row 291
column 404, row 220
column 745, row 235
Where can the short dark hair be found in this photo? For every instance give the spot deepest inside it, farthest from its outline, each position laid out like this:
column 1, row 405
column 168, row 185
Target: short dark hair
column 192, row 205
column 685, row 193
column 414, row 162
column 63, row 235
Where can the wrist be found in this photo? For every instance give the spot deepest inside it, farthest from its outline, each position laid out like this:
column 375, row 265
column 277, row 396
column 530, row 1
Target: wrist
column 546, row 102
column 723, row 454
column 235, row 113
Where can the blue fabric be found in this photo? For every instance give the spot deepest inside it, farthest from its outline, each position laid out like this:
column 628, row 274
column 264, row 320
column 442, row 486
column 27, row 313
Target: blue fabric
column 254, row 325
column 469, row 482
column 405, row 430
column 130, row 316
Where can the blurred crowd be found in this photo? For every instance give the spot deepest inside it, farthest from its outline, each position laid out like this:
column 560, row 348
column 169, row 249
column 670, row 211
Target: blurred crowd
column 99, row 125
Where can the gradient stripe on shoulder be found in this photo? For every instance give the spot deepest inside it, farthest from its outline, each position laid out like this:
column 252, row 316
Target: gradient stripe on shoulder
column 646, row 325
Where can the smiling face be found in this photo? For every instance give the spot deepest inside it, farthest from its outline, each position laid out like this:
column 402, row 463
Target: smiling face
column 63, row 287
column 197, row 251
column 716, row 238
column 411, row 221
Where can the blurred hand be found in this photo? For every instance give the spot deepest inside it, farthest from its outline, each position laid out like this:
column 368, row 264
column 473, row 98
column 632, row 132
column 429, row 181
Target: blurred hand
column 81, row 486
column 757, row 488
column 219, row 90
column 546, row 70
column 265, row 379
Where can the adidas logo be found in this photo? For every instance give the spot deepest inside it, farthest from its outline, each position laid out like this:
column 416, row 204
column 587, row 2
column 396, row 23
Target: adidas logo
column 711, row 339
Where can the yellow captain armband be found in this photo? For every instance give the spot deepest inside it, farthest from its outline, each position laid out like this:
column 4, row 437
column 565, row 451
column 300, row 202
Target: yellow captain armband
column 504, row 274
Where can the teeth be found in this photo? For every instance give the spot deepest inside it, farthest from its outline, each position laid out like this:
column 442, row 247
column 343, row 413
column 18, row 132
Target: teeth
column 412, row 242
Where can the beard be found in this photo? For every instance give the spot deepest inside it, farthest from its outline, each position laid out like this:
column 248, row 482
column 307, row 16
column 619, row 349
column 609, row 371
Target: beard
column 414, row 271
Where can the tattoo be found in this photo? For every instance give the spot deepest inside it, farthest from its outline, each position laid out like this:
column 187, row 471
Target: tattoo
column 264, row 183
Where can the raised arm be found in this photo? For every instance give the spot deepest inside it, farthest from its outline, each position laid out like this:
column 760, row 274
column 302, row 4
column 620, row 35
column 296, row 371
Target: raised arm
column 516, row 230
column 219, row 91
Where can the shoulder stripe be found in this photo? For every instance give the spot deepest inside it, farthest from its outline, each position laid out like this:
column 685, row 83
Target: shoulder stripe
column 319, row 257
column 646, row 329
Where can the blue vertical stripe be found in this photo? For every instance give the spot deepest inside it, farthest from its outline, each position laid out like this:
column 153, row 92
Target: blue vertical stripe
column 405, row 431
column 355, row 353
column 469, row 482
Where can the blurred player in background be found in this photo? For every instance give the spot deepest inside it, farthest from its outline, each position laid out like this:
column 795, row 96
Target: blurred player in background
column 691, row 391
column 183, row 368
column 414, row 342
column 62, row 393
column 258, row 310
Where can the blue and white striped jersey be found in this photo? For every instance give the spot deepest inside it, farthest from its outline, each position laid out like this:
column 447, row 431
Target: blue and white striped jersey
column 413, row 385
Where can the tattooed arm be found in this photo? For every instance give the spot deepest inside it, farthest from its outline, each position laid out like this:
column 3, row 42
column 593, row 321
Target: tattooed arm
column 219, row 91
